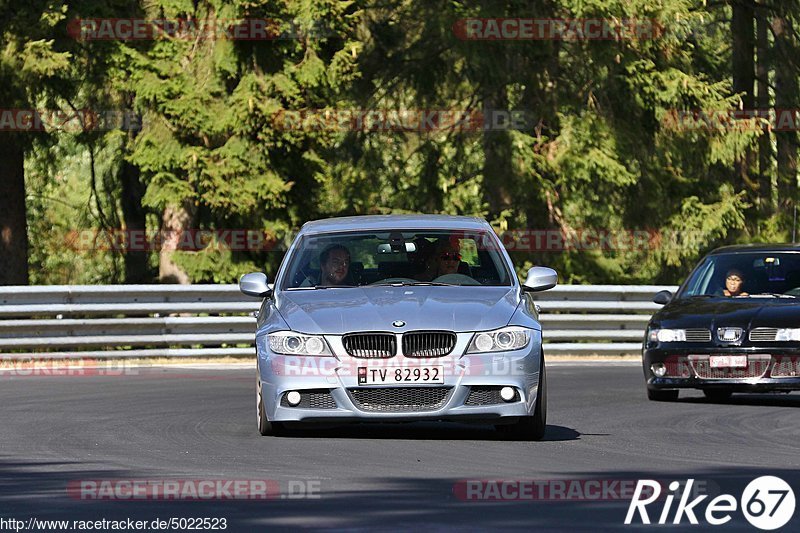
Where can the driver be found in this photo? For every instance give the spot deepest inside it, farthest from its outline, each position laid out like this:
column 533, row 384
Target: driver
column 734, row 281
column 448, row 257
column 438, row 259
column 334, row 262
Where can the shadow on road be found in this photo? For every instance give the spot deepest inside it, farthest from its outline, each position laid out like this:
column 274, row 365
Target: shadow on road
column 440, row 504
column 421, row 431
column 764, row 400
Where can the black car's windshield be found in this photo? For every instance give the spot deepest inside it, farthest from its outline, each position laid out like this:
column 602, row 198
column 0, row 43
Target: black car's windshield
column 746, row 275
column 397, row 258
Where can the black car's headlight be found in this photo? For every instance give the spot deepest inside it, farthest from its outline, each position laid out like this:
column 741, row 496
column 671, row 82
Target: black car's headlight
column 499, row 340
column 788, row 334
column 667, row 335
column 291, row 343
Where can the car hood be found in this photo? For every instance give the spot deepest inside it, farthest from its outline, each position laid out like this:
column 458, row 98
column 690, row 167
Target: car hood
column 339, row 311
column 745, row 313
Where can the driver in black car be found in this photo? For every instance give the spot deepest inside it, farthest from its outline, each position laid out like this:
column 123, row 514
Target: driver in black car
column 734, row 283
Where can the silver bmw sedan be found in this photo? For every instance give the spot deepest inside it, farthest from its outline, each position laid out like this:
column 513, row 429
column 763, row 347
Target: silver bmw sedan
column 399, row 318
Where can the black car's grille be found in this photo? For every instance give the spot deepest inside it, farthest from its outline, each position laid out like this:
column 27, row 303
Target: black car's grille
column 786, row 367
column 312, row 399
column 400, row 399
column 677, row 367
column 763, row 334
column 370, row 345
column 485, row 395
column 698, row 335
column 428, row 343
column 757, row 366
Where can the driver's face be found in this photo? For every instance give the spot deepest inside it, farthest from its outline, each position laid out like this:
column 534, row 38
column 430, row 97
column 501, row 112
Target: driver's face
column 733, row 283
column 334, row 270
column 449, row 259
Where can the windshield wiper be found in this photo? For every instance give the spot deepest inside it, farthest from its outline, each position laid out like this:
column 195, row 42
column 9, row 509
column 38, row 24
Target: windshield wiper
column 412, row 284
column 313, row 287
column 774, row 295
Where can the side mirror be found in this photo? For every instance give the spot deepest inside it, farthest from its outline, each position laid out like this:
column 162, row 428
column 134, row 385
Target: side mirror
column 255, row 284
column 662, row 297
column 540, row 279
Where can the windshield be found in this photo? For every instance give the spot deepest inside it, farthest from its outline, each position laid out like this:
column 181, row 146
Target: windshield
column 746, row 275
column 356, row 259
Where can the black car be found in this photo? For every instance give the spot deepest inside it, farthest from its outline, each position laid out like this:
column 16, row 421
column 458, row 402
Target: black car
column 733, row 326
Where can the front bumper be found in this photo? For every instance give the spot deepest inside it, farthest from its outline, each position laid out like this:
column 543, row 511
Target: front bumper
column 768, row 369
column 331, row 392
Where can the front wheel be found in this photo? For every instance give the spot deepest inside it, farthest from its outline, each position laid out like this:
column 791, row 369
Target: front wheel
column 531, row 427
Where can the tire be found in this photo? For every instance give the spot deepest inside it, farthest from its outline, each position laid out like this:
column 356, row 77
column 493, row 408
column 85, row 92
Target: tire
column 265, row 427
column 531, row 427
column 717, row 395
column 655, row 395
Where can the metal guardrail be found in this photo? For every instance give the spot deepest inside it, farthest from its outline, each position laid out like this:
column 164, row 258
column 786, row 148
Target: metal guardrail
column 216, row 320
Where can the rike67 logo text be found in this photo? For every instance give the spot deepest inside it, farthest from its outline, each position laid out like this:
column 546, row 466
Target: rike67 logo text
column 767, row 502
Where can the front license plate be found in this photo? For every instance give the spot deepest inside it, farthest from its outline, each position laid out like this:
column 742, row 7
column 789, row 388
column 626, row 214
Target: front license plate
column 727, row 361
column 417, row 374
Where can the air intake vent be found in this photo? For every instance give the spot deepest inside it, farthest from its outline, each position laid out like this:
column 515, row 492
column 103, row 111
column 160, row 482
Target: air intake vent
column 698, row 335
column 428, row 343
column 370, row 345
column 763, row 334
column 400, row 399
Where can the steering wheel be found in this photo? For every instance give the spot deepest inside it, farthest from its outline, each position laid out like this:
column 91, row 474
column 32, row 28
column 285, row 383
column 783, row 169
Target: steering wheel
column 456, row 279
column 393, row 280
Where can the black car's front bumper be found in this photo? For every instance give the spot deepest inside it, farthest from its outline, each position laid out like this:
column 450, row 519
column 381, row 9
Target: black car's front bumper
column 768, row 369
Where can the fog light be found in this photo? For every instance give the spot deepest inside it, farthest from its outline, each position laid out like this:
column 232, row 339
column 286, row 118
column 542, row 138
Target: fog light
column 507, row 394
column 658, row 369
column 293, row 398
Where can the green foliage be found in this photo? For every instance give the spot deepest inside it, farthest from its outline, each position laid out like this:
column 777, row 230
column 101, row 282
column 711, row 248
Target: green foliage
column 602, row 150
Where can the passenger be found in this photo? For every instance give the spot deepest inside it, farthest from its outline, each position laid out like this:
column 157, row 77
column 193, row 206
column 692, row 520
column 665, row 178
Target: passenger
column 734, row 282
column 334, row 264
column 425, row 260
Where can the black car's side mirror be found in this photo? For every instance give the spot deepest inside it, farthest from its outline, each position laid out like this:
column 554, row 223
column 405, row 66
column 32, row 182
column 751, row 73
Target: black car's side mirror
column 662, row 297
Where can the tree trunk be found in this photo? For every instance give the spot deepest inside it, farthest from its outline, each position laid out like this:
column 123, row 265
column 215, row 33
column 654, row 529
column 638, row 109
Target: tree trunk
column 431, row 193
column 786, row 88
column 498, row 173
column 176, row 221
column 764, row 142
column 743, row 76
column 13, row 224
column 137, row 269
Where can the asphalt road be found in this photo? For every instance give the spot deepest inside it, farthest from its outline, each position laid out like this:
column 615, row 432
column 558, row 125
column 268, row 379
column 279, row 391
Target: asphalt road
column 200, row 424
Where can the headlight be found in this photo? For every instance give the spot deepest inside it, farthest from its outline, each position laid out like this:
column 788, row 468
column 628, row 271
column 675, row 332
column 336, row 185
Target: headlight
column 788, row 334
column 667, row 335
column 291, row 343
column 500, row 340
